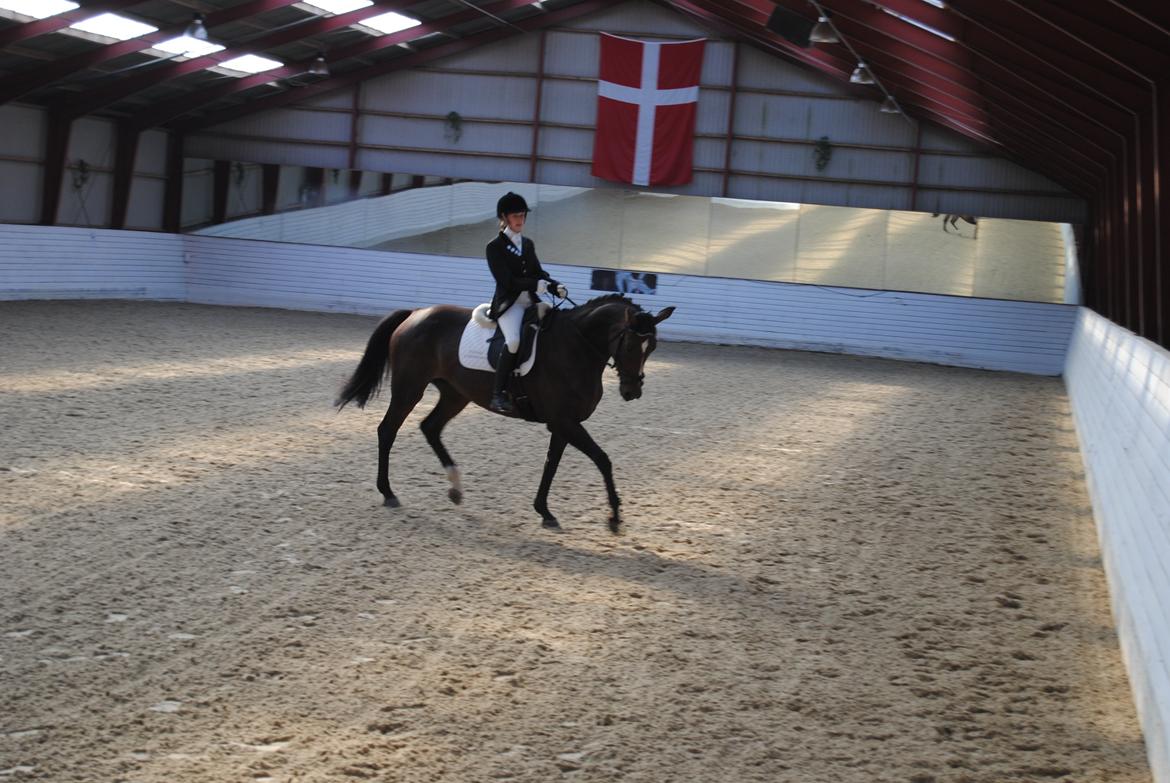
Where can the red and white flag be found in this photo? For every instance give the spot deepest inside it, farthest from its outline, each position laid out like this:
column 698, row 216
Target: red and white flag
column 647, row 94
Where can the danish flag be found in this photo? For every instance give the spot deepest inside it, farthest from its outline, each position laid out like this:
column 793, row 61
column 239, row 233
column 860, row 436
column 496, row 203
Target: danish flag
column 647, row 94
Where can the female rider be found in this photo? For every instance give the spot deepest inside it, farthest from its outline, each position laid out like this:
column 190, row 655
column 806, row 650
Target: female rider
column 519, row 280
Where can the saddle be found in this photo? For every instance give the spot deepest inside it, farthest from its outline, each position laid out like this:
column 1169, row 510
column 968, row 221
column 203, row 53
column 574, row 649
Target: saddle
column 483, row 340
column 529, row 329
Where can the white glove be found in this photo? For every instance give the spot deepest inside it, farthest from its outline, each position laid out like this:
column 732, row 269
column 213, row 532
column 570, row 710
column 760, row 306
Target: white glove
column 562, row 292
column 541, row 287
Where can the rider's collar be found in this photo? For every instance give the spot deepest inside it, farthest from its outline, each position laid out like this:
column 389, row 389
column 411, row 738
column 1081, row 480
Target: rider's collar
column 516, row 238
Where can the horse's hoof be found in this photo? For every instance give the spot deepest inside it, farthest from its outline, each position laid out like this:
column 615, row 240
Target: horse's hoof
column 391, row 501
column 615, row 524
column 456, row 495
column 551, row 523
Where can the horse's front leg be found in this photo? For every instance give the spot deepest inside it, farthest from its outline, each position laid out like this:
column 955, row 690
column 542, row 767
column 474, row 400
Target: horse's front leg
column 576, row 435
column 556, row 447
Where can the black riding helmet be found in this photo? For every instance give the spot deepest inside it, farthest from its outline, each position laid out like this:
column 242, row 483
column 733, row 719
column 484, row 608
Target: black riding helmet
column 510, row 203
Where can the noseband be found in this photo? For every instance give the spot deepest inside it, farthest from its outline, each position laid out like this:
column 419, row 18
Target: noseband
column 621, row 338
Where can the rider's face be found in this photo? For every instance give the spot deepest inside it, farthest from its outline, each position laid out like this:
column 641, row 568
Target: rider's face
column 515, row 221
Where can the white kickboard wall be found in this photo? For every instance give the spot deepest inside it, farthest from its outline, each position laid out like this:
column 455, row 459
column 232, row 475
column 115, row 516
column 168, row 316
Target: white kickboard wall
column 1119, row 388
column 38, row 262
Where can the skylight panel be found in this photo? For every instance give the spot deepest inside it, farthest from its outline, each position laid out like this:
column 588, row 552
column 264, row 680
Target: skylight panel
column 919, row 24
column 186, row 45
column 935, row 3
column 113, row 26
column 338, row 6
column 38, row 9
column 250, row 63
column 390, row 23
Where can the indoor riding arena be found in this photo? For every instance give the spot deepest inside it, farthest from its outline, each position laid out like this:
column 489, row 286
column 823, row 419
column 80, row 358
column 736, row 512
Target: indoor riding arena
column 893, row 496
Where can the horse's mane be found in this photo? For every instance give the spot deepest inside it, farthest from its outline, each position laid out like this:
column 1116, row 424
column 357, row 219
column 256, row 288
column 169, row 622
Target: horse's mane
column 607, row 299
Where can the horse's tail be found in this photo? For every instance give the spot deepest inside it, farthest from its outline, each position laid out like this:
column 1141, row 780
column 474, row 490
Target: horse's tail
column 374, row 365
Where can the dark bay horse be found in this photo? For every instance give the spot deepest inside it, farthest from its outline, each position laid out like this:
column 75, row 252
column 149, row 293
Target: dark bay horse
column 953, row 220
column 421, row 347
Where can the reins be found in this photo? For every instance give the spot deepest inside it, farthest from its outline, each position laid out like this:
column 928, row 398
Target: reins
column 607, row 358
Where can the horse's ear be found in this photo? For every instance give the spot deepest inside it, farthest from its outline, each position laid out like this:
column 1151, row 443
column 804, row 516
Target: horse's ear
column 663, row 315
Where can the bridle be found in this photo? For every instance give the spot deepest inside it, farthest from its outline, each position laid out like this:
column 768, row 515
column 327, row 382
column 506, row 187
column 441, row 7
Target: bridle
column 621, row 338
column 617, row 343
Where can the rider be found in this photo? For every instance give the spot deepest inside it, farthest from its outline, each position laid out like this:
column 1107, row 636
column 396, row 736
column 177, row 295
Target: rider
column 519, row 280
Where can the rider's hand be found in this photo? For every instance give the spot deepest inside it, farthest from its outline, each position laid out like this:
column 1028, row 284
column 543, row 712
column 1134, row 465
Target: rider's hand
column 541, row 287
column 562, row 292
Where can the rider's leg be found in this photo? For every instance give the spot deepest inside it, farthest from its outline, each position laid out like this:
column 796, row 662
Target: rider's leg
column 509, row 323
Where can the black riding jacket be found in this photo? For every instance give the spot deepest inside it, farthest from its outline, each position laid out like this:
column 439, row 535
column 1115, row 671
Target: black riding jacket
column 514, row 272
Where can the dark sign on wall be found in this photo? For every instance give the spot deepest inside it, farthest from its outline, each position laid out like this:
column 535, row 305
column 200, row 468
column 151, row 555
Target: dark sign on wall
column 624, row 282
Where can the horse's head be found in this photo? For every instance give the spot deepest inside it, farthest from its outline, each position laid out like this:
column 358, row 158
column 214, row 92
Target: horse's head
column 636, row 340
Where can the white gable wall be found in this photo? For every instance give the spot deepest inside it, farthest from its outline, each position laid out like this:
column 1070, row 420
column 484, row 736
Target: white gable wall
column 22, row 151
column 781, row 109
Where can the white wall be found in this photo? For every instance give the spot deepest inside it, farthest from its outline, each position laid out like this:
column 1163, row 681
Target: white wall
column 1072, row 266
column 87, row 263
column 22, row 152
column 991, row 334
column 371, row 221
column 1119, row 387
column 69, row 263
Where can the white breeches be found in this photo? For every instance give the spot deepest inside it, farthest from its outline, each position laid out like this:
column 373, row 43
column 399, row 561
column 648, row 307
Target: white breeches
column 512, row 318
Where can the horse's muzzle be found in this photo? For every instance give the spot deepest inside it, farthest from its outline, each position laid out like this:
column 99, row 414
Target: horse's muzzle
column 630, row 391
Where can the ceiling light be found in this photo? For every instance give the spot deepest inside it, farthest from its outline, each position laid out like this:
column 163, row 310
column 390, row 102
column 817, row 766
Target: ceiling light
column 197, row 29
column 890, row 106
column 823, row 32
column 113, row 26
column 339, row 6
column 250, row 63
column 861, row 75
column 319, row 66
column 38, row 9
column 188, row 46
column 390, row 23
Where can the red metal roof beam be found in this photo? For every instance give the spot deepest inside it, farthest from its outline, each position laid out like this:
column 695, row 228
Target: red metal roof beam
column 46, row 73
column 381, row 69
column 752, row 26
column 92, row 100
column 189, row 102
column 51, row 24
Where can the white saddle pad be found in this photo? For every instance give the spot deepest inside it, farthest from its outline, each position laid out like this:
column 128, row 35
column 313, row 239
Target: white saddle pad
column 473, row 345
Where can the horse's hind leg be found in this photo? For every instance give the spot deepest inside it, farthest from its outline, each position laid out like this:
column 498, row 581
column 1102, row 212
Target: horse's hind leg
column 403, row 398
column 450, row 404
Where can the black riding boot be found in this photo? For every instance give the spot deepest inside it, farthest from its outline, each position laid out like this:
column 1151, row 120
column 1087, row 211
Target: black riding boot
column 501, row 401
